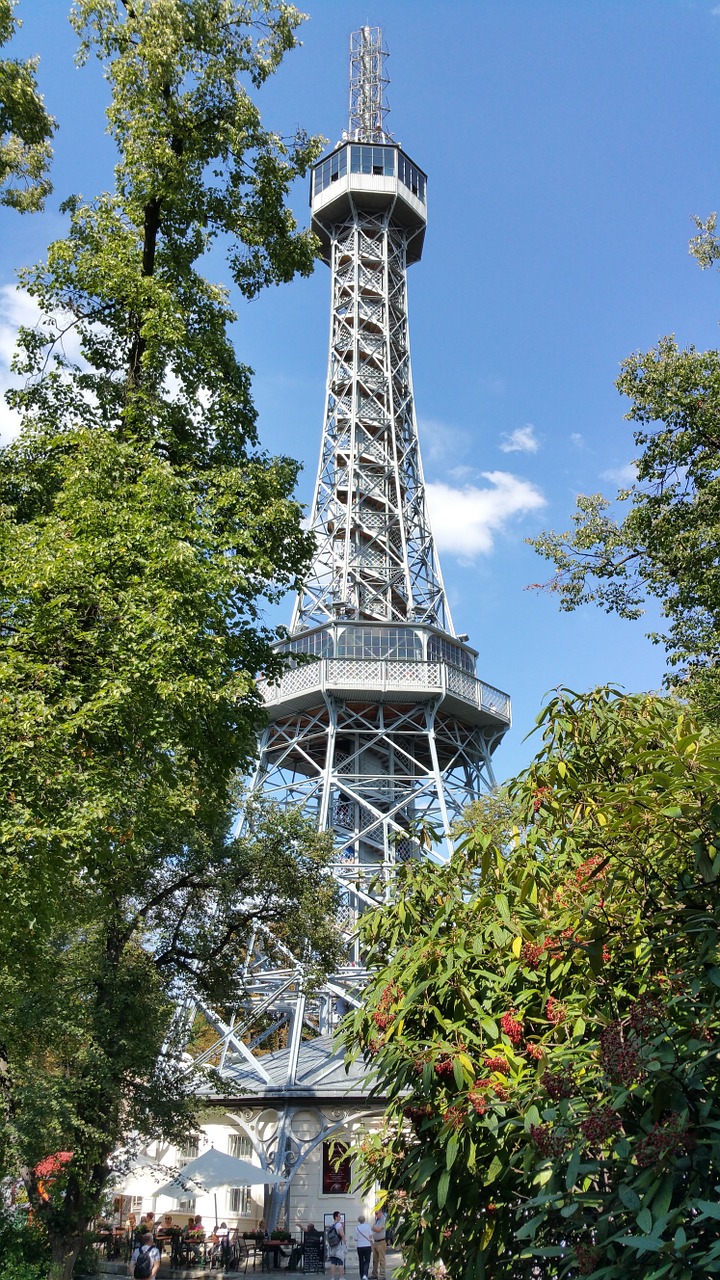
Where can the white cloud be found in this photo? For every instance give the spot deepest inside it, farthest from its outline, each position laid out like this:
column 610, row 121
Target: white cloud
column 442, row 443
column 16, row 308
column 465, row 520
column 521, row 440
column 623, row 476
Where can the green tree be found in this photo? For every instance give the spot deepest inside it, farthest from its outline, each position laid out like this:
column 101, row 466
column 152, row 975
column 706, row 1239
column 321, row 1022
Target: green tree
column 142, row 532
column 25, row 127
column 666, row 543
column 545, row 1019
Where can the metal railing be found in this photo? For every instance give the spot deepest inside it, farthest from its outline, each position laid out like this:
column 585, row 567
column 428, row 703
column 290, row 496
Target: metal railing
column 384, row 674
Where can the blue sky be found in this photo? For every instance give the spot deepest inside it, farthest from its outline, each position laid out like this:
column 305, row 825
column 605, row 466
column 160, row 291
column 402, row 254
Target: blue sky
column 567, row 143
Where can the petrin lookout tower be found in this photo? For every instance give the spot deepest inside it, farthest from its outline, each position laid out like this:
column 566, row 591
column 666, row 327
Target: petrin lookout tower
column 384, row 729
column 389, row 727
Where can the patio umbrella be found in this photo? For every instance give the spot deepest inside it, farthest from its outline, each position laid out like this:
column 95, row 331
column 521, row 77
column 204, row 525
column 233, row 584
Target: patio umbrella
column 140, row 1178
column 215, row 1169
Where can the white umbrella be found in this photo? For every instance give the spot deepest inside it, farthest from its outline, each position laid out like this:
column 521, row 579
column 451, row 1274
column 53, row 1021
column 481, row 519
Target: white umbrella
column 141, row 1178
column 217, row 1169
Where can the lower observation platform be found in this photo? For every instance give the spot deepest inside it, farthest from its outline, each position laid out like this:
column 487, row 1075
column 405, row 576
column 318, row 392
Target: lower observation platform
column 385, row 680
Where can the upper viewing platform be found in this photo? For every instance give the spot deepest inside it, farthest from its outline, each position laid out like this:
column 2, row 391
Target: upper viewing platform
column 369, row 176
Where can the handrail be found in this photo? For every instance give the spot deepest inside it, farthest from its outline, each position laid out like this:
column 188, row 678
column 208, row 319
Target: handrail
column 388, row 674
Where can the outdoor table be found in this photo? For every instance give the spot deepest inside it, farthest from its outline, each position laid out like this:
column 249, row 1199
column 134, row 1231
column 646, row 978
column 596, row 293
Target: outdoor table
column 276, row 1247
column 186, row 1252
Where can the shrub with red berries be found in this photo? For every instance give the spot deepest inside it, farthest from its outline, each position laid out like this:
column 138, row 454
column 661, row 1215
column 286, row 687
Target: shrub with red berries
column 559, row 1084
column 512, row 1027
column 556, row 1045
column 601, row 1125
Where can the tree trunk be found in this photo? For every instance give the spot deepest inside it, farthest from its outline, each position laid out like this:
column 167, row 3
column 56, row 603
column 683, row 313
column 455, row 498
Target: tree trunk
column 63, row 1252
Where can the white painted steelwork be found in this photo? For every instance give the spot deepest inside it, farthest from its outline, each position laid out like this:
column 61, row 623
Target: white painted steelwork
column 379, row 729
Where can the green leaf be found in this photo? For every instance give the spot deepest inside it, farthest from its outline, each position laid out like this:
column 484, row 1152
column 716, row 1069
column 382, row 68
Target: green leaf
column 443, row 1188
column 644, row 1221
column 573, row 1170
column 629, row 1197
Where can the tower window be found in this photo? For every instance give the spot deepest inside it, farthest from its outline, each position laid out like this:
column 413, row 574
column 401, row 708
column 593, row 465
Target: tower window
column 375, row 160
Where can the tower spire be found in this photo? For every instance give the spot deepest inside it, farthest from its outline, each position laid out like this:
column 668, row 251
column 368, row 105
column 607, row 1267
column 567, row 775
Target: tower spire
column 368, row 81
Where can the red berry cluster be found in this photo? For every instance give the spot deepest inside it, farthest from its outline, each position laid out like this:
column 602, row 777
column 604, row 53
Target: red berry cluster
column 382, row 1016
column 443, row 1066
column 531, row 954
column 586, row 1259
column 478, row 1102
column 645, row 1015
column 501, row 1092
column 454, row 1116
column 417, row 1113
column 601, row 1125
column 662, row 1140
column 555, row 1011
column 701, row 1032
column 375, row 1045
column 559, row 1084
column 587, row 867
column 535, row 1051
column 496, row 1064
column 540, row 794
column 619, row 1057
column 547, row 1142
column 512, row 1027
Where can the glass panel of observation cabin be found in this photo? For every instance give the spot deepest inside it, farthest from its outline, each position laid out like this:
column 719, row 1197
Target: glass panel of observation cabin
column 366, row 159
column 355, row 159
column 378, row 161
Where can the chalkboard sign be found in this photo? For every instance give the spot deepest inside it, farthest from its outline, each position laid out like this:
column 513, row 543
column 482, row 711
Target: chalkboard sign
column 313, row 1252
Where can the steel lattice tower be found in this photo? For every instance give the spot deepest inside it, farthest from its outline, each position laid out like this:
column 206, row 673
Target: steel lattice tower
column 384, row 728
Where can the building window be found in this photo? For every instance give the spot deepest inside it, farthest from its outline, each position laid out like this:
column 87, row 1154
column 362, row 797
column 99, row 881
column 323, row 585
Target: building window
column 411, row 177
column 189, row 1150
column 442, row 650
column 187, row 1206
column 330, row 170
column 337, row 1169
column 317, row 643
column 377, row 160
column 240, row 1146
column 395, row 643
column 241, row 1201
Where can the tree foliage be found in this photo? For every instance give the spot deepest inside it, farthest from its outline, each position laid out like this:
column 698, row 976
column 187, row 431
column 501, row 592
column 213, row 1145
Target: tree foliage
column 666, row 543
column 25, row 127
column 544, row 1017
column 142, row 533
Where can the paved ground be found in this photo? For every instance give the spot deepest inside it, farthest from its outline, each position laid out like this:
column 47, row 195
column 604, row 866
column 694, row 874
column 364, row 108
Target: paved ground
column 120, row 1269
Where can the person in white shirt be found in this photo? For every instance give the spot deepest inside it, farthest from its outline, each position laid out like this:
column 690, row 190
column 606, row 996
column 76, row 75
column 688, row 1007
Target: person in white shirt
column 379, row 1245
column 363, row 1244
column 146, row 1246
column 335, row 1236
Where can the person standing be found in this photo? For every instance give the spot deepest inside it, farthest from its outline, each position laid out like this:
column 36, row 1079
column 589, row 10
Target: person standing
column 336, row 1246
column 363, row 1244
column 146, row 1258
column 379, row 1244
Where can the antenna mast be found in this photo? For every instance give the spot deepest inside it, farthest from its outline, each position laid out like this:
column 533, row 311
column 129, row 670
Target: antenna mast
column 368, row 81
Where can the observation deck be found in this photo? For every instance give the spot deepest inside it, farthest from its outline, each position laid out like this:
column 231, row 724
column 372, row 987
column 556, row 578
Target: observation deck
column 371, row 177
column 358, row 662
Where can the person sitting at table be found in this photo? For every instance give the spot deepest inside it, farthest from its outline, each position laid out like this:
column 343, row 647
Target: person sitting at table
column 220, row 1239
column 194, row 1235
